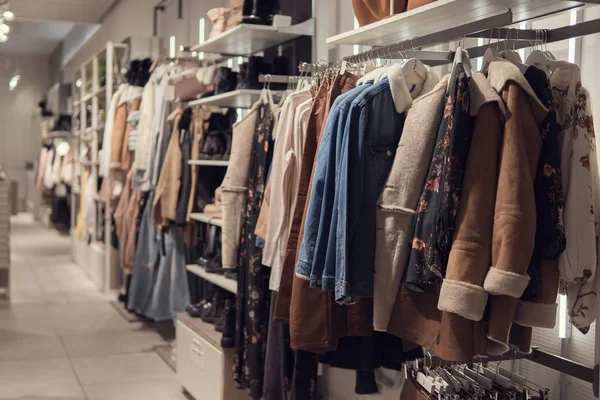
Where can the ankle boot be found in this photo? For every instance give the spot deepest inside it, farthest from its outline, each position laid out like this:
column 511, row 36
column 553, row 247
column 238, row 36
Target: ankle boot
column 214, row 266
column 213, row 309
column 243, row 76
column 226, row 80
column 196, row 310
column 227, row 340
column 256, row 66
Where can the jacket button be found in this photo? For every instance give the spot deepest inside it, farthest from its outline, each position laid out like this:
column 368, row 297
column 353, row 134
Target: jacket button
column 389, row 153
column 319, row 282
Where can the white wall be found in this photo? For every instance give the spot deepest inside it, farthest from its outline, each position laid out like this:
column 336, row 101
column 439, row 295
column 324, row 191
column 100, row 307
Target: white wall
column 19, row 128
column 130, row 18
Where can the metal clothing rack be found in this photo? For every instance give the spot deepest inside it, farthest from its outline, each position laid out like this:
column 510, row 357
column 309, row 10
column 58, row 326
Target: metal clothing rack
column 268, row 78
column 513, row 38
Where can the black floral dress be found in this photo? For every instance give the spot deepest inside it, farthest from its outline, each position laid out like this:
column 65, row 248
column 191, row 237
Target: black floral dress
column 550, row 239
column 253, row 296
column 434, row 223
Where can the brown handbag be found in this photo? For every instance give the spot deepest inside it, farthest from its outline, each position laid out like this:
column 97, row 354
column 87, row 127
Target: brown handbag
column 412, row 4
column 369, row 11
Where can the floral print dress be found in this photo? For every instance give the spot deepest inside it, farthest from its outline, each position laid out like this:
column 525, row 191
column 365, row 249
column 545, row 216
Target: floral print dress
column 253, row 297
column 550, row 239
column 434, row 223
column 581, row 192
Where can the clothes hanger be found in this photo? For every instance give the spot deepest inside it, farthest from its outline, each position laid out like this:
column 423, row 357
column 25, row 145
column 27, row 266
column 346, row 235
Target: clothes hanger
column 266, row 96
column 541, row 60
column 511, row 55
column 461, row 56
column 490, row 53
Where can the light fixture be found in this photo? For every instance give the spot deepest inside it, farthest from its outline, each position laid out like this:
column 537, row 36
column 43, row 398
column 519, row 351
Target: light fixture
column 78, row 83
column 3, row 37
column 62, row 148
column 564, row 331
column 4, row 28
column 8, row 15
column 14, row 81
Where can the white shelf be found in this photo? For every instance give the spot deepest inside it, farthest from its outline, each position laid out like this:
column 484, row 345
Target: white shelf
column 228, row 284
column 86, row 163
column 246, row 39
column 210, row 163
column 242, row 98
column 442, row 15
column 206, row 219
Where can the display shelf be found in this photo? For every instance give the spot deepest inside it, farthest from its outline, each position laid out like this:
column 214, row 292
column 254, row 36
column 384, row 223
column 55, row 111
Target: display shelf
column 242, row 98
column 210, row 163
column 86, row 163
column 204, row 329
column 446, row 15
column 200, row 217
column 219, row 280
column 100, row 92
column 247, row 39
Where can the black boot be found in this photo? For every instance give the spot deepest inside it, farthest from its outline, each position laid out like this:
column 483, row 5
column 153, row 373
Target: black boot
column 196, row 310
column 226, row 80
column 243, row 76
column 227, row 341
column 256, row 66
column 214, row 266
column 259, row 12
column 213, row 309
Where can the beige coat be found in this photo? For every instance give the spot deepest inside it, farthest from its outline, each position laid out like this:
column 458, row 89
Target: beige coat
column 167, row 188
column 399, row 198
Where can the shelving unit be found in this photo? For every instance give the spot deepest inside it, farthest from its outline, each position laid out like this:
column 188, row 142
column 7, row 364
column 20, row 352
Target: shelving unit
column 242, row 98
column 91, row 92
column 442, row 17
column 247, row 39
column 219, row 280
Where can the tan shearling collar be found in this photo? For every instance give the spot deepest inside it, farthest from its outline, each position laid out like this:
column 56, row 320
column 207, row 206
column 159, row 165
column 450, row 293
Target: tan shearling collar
column 482, row 93
column 501, row 72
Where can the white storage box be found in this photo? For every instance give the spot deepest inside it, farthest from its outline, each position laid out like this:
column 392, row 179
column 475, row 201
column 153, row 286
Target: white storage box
column 203, row 367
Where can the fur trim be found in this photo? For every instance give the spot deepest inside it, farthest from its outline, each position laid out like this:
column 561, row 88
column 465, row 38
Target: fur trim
column 495, row 347
column 536, row 315
column 463, row 298
column 499, row 282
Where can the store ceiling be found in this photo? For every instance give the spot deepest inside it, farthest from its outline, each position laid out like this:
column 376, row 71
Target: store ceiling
column 28, row 37
column 40, row 25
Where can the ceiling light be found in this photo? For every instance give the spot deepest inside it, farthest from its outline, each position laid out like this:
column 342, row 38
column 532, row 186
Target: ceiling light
column 62, row 148
column 14, row 81
column 3, row 37
column 4, row 28
column 8, row 15
column 78, row 83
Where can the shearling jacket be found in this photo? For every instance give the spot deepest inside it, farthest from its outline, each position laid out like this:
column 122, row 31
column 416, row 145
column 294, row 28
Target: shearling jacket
column 462, row 291
column 167, row 188
column 416, row 317
column 399, row 198
column 514, row 230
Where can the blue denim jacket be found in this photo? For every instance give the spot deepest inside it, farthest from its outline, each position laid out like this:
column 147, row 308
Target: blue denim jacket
column 312, row 253
column 374, row 132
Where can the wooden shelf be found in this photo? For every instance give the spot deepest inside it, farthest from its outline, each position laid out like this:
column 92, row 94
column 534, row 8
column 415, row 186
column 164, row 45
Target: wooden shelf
column 206, row 219
column 246, row 39
column 242, row 98
column 219, row 280
column 445, row 15
column 210, row 163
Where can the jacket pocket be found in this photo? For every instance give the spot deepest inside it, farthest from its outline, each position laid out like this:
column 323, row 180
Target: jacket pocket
column 382, row 158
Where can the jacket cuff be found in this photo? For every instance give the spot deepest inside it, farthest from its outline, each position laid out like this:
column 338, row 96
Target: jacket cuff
column 536, row 315
column 500, row 282
column 463, row 298
column 496, row 347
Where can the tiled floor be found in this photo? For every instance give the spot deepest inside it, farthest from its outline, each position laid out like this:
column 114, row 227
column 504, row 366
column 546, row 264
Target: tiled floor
column 60, row 339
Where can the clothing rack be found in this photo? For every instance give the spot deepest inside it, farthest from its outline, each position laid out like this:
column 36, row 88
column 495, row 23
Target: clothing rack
column 509, row 37
column 268, row 78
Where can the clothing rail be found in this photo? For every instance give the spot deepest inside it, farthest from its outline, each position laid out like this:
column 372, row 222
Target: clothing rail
column 268, row 78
